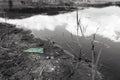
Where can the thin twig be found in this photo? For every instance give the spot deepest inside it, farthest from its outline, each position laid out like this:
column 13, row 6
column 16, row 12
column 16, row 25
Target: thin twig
column 93, row 57
column 98, row 57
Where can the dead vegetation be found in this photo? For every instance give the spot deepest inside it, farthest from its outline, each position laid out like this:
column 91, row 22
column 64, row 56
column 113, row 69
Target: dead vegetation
column 95, row 57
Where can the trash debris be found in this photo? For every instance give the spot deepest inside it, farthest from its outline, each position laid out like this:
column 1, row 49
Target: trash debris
column 34, row 50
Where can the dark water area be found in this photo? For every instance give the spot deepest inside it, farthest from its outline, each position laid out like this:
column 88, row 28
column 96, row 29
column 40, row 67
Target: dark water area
column 109, row 61
column 28, row 12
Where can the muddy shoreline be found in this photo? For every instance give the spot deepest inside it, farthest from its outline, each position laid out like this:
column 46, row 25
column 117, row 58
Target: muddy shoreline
column 57, row 64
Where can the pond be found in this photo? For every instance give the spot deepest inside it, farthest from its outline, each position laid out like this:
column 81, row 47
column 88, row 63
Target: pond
column 62, row 29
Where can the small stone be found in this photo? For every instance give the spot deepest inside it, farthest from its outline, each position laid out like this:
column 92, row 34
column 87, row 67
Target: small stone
column 48, row 57
column 89, row 75
column 51, row 57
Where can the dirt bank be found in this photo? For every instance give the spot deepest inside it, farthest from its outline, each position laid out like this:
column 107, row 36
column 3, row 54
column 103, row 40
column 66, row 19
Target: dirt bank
column 54, row 64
